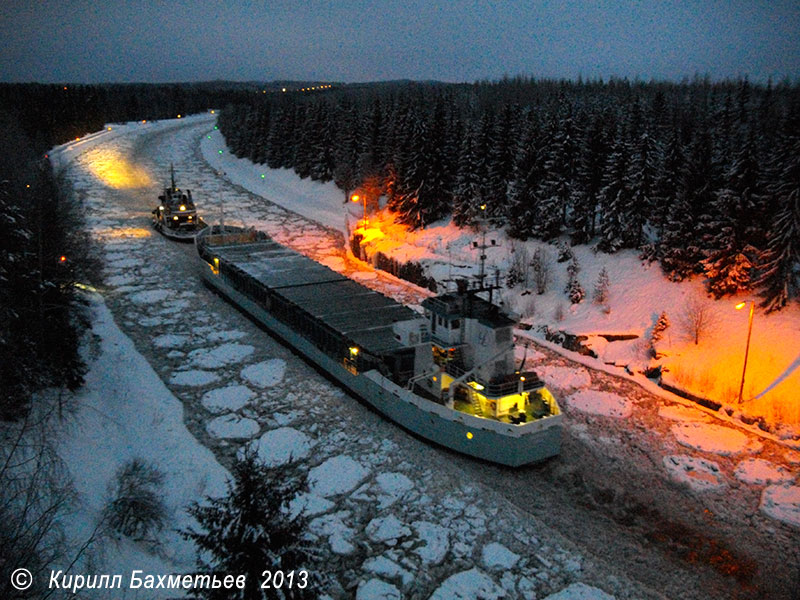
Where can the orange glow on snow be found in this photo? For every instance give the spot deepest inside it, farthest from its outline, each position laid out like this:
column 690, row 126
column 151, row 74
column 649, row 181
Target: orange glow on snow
column 117, row 172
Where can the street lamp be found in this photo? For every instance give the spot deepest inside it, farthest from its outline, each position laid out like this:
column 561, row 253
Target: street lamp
column 356, row 198
column 740, row 306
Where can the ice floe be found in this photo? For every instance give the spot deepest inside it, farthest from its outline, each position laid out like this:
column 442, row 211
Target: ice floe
column 436, row 542
column 282, row 446
column 376, row 589
column 226, row 354
column 497, row 557
column 699, row 474
column 596, row 402
column 716, row 439
column 468, row 585
column 229, row 398
column 265, row 374
column 232, row 426
column 564, row 378
column 758, row 471
column 387, row 529
column 782, row 502
column 337, row 475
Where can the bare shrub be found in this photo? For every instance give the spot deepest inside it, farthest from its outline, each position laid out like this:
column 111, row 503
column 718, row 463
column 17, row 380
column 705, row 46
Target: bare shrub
column 519, row 268
column 136, row 510
column 697, row 318
column 558, row 313
column 529, row 308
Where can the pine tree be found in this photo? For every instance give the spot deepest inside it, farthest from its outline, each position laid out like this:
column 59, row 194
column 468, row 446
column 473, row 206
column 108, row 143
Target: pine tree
column 574, row 289
column 731, row 258
column 249, row 531
column 659, row 328
column 600, row 295
column 615, row 199
column 780, row 278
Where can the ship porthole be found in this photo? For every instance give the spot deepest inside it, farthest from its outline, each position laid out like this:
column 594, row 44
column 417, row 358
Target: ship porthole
column 469, row 435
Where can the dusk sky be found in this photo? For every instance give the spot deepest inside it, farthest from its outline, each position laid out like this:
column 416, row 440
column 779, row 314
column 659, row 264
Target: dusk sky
column 87, row 41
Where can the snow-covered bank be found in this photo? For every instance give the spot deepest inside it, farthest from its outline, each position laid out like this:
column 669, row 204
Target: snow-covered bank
column 124, row 412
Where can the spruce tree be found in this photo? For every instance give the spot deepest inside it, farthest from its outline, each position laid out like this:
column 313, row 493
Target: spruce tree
column 250, row 530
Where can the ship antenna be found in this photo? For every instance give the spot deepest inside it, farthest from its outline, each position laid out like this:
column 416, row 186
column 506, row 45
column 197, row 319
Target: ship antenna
column 482, row 287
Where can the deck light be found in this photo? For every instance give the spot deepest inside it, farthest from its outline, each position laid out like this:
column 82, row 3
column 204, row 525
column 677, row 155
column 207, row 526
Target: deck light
column 183, row 207
column 353, row 351
column 469, row 435
column 175, row 218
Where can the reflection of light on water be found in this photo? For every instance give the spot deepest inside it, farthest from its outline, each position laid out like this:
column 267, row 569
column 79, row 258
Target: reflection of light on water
column 117, row 172
column 123, row 232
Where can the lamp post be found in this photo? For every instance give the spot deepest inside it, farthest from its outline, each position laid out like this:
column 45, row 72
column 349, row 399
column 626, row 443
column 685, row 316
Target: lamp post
column 356, row 198
column 747, row 347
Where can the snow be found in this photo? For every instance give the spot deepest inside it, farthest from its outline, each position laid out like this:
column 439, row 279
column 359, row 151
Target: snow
column 228, row 398
column 497, row 557
column 387, row 529
column 758, row 471
column 715, row 439
column 436, row 542
column 282, row 446
column 226, row 354
column 580, row 591
column 194, row 378
column 564, row 378
column 141, row 418
column 375, row 589
column 265, row 374
column 782, row 502
column 468, row 585
column 232, row 426
column 600, row 403
column 337, row 475
column 699, row 474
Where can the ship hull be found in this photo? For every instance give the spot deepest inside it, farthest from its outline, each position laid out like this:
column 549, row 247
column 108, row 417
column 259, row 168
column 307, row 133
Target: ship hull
column 184, row 234
column 492, row 441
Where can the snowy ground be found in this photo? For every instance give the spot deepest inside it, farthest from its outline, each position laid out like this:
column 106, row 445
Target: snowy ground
column 398, row 518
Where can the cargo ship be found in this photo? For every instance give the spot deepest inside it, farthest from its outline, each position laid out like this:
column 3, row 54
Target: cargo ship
column 448, row 375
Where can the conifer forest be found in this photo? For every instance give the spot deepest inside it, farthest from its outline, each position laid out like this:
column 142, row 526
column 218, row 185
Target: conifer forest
column 702, row 177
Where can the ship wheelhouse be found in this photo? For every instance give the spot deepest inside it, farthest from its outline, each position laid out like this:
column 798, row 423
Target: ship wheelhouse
column 473, row 345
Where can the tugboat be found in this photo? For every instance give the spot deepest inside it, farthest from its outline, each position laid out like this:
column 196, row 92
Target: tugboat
column 176, row 215
column 448, row 376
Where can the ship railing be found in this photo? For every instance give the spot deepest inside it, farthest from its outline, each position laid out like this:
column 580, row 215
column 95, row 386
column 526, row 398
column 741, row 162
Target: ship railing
column 517, row 382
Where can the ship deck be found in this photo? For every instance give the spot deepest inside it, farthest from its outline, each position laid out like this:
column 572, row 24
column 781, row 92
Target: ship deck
column 354, row 311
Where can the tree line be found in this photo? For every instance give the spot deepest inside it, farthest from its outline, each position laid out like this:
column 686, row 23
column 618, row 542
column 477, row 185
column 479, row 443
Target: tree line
column 701, row 176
